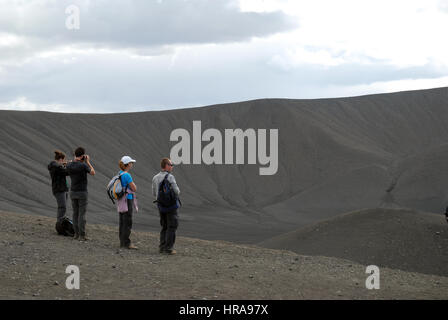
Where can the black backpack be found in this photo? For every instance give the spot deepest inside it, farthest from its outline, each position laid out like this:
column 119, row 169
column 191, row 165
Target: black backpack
column 166, row 197
column 65, row 227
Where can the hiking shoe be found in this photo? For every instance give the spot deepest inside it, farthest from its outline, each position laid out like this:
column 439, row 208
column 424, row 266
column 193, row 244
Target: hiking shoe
column 171, row 252
column 83, row 238
column 132, row 247
column 76, row 237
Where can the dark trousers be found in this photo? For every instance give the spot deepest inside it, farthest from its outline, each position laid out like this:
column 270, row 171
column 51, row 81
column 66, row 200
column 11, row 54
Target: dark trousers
column 125, row 225
column 61, row 199
column 79, row 204
column 169, row 223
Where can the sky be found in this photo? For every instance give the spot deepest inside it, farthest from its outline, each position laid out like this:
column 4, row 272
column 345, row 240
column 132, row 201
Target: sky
column 138, row 55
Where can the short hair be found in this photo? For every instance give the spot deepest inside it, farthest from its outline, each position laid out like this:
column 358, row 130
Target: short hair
column 80, row 151
column 164, row 162
column 59, row 155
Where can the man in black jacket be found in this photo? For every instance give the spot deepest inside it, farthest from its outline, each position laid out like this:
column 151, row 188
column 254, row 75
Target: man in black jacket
column 58, row 173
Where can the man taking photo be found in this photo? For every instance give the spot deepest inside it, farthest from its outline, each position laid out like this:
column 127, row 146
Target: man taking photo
column 78, row 170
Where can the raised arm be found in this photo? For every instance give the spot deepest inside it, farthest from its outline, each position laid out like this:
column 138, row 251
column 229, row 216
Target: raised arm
column 92, row 171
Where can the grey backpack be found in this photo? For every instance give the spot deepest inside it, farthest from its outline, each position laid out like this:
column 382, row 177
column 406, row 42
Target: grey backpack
column 115, row 188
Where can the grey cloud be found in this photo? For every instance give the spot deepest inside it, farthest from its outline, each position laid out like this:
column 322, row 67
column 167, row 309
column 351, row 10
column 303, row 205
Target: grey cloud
column 113, row 81
column 119, row 84
column 140, row 23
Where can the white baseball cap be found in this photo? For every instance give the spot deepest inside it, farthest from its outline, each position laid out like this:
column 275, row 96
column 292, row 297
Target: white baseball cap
column 127, row 159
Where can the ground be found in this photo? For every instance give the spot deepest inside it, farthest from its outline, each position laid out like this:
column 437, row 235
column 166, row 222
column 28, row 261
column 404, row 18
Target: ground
column 34, row 259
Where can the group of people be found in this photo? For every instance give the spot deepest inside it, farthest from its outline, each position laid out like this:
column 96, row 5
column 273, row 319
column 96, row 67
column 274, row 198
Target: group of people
column 80, row 167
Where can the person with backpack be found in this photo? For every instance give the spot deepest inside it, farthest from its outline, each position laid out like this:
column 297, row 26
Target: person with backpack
column 127, row 202
column 58, row 173
column 166, row 193
column 78, row 170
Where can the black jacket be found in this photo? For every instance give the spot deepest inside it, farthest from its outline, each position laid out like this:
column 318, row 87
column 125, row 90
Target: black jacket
column 58, row 175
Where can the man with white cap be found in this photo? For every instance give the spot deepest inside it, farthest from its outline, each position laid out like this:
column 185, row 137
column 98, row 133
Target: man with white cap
column 127, row 204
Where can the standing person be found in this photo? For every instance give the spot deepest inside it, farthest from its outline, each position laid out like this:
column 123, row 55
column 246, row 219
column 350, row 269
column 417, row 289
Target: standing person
column 78, row 170
column 168, row 215
column 58, row 173
column 127, row 203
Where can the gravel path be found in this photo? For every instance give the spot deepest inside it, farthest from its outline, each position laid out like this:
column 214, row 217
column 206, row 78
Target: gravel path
column 34, row 258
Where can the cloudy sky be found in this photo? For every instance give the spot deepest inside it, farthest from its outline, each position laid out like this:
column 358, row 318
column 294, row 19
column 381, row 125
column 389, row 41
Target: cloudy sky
column 162, row 54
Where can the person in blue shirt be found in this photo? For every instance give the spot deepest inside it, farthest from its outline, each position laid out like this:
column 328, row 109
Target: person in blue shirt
column 125, row 223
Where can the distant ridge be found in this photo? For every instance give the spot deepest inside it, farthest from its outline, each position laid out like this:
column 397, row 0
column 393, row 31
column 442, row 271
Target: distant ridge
column 335, row 155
